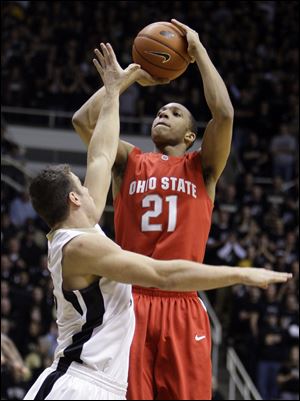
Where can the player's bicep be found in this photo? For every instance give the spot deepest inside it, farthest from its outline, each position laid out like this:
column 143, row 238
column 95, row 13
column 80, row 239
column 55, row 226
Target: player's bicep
column 131, row 268
column 82, row 254
column 97, row 255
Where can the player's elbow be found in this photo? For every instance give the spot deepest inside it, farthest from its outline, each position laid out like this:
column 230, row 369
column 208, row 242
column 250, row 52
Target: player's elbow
column 76, row 121
column 165, row 279
column 226, row 113
column 162, row 283
column 230, row 112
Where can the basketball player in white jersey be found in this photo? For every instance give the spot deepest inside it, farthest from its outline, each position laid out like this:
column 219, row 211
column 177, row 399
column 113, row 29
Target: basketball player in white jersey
column 94, row 310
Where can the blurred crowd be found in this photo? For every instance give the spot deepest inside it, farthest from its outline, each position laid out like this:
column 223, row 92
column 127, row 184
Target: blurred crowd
column 47, row 48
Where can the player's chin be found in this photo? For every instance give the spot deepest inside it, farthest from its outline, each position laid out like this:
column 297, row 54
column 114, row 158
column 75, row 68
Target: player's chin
column 159, row 138
column 160, row 131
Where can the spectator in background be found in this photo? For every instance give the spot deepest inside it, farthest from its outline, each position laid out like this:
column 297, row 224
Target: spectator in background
column 232, row 251
column 288, row 376
column 243, row 219
column 6, row 267
column 284, row 148
column 21, row 209
column 220, row 229
column 30, row 251
column 244, row 329
column 228, row 201
column 254, row 157
column 8, row 229
column 256, row 201
column 271, row 354
column 271, row 304
column 289, row 319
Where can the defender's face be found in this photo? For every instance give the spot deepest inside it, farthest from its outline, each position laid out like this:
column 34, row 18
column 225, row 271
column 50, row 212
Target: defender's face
column 86, row 200
column 170, row 124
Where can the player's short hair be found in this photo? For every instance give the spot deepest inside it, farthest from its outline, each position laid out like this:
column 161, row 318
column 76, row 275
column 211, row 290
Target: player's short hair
column 49, row 192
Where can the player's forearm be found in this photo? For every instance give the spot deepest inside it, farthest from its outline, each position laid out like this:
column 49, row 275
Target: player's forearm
column 182, row 275
column 215, row 91
column 105, row 137
column 84, row 120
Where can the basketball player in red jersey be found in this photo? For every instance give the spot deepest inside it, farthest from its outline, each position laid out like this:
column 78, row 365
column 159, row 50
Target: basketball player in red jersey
column 163, row 205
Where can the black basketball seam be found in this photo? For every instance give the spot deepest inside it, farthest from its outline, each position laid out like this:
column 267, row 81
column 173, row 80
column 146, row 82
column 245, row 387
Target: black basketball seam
column 158, row 66
column 149, row 37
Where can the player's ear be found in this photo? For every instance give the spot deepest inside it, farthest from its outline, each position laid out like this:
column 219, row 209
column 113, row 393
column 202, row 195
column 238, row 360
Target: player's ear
column 74, row 198
column 189, row 138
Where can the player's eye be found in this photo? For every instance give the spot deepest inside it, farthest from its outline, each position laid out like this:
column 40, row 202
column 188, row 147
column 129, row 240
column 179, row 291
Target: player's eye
column 176, row 114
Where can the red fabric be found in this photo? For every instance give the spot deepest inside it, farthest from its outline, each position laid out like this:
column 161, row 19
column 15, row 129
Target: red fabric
column 176, row 200
column 166, row 360
column 163, row 211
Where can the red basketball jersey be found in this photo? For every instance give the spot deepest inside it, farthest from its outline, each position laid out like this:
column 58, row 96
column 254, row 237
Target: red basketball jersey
column 163, row 209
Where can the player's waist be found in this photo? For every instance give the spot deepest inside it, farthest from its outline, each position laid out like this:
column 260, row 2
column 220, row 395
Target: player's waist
column 97, row 378
column 154, row 292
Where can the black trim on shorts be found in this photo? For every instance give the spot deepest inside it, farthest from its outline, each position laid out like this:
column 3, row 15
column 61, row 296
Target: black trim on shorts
column 50, row 380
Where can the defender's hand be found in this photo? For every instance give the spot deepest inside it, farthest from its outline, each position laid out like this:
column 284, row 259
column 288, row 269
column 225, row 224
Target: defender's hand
column 260, row 277
column 192, row 38
column 109, row 69
column 145, row 79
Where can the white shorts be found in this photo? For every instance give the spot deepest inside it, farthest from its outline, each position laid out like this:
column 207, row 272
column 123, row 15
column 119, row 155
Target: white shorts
column 76, row 384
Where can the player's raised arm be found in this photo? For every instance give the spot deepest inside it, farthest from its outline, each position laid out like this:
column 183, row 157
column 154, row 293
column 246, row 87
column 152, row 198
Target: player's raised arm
column 216, row 141
column 99, row 256
column 103, row 145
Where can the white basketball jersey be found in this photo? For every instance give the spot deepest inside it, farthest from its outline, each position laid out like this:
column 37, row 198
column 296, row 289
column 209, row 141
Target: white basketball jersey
column 95, row 324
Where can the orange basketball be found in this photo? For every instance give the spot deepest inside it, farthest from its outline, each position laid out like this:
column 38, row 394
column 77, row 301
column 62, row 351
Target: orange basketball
column 161, row 50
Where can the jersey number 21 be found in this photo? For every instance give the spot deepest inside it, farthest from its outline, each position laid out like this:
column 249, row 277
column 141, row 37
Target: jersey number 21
column 158, row 204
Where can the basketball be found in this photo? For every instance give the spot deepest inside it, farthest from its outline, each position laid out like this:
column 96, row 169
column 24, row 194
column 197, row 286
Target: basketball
column 161, row 50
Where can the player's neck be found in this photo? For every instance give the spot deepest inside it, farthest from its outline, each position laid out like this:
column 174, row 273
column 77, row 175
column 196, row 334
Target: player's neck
column 76, row 220
column 169, row 150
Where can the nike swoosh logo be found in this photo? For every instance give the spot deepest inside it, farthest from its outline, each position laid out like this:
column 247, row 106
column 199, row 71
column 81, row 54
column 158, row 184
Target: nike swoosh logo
column 199, row 338
column 166, row 56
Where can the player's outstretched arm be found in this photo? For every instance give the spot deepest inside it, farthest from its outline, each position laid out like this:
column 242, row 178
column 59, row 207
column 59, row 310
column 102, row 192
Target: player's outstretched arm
column 96, row 255
column 103, row 145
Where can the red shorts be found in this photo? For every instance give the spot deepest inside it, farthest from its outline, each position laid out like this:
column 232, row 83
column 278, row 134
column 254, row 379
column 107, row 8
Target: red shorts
column 170, row 357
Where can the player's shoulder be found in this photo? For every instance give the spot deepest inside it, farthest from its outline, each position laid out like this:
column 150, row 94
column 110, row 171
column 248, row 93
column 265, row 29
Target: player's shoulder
column 88, row 244
column 193, row 157
column 79, row 243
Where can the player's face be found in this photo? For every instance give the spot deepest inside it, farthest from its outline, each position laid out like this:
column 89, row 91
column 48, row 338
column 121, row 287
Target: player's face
column 170, row 124
column 87, row 201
